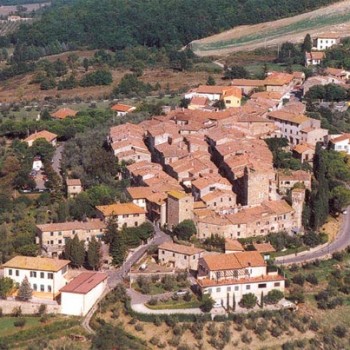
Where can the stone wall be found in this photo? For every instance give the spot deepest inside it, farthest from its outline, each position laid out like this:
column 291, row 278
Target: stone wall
column 28, row 308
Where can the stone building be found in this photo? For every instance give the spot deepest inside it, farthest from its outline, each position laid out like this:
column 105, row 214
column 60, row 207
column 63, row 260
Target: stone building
column 179, row 208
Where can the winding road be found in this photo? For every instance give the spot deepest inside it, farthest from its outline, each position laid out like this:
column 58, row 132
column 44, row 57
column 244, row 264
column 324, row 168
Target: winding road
column 341, row 241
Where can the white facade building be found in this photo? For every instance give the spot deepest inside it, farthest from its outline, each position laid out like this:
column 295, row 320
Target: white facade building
column 340, row 143
column 325, row 41
column 227, row 277
column 81, row 294
column 45, row 275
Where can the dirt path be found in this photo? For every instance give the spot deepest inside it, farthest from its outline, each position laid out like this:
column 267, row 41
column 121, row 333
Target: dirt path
column 334, row 18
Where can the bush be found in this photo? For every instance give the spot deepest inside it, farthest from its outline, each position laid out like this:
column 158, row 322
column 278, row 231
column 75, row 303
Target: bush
column 138, row 327
column 338, row 256
column 171, row 321
column 20, row 322
column 178, row 330
column 276, row 332
column 340, row 331
column 246, row 338
column 273, row 296
column 311, row 278
column 153, row 301
column 154, row 341
column 44, row 318
column 157, row 321
column 168, row 282
column 1, row 312
column 207, row 303
column 17, row 311
column 174, row 341
column 248, row 300
column 314, row 326
column 212, row 331
column 298, row 279
column 42, row 309
column 187, row 297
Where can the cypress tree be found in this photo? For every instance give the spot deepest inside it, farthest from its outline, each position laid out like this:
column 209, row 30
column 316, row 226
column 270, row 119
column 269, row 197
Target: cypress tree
column 25, row 291
column 75, row 251
column 307, row 44
column 118, row 249
column 94, row 254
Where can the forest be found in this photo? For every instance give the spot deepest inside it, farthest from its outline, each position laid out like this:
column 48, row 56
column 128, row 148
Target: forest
column 117, row 24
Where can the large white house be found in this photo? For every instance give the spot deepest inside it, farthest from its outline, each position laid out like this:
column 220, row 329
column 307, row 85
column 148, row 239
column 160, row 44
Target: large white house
column 45, row 275
column 80, row 295
column 325, row 41
column 227, row 277
column 340, row 143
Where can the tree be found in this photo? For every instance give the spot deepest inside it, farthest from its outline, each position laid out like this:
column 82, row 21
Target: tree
column 273, row 296
column 207, row 303
column 75, row 251
column 116, row 240
column 6, row 286
column 236, row 72
column 307, row 44
column 185, row 230
column 86, row 64
column 340, row 198
column 25, row 291
column 211, row 81
column 249, row 300
column 94, row 254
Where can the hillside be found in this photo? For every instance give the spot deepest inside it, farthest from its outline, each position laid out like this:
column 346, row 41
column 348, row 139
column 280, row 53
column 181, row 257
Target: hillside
column 334, row 18
column 116, row 24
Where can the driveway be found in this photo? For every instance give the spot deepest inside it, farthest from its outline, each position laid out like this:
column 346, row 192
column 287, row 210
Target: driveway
column 141, row 308
column 341, row 241
column 56, row 159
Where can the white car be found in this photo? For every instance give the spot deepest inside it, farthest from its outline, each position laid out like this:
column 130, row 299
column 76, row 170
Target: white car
column 181, row 292
column 217, row 304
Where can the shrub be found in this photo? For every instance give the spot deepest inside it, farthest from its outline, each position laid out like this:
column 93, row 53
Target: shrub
column 171, row 321
column 138, row 327
column 115, row 314
column 19, row 322
column 273, row 296
column 42, row 309
column 294, row 268
column 311, row 278
column 183, row 347
column 155, row 278
column 261, row 328
column 174, row 341
column 207, row 303
column 248, row 300
column 44, row 318
column 338, row 256
column 153, row 301
column 187, row 297
column 246, row 338
column 17, row 311
column 178, row 330
column 162, row 345
column 314, row 326
column 276, row 332
column 340, row 331
column 212, row 331
column 1, row 312
column 298, row 279
column 154, row 341
column 157, row 321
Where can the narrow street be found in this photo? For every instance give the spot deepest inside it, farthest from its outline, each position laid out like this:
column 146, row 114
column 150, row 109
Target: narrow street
column 56, row 159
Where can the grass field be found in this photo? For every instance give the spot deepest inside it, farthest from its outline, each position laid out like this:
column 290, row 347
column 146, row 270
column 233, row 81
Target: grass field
column 7, row 327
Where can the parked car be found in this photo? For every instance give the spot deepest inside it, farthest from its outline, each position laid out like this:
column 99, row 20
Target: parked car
column 181, row 292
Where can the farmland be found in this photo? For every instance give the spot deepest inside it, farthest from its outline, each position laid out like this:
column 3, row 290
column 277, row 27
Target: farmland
column 334, row 18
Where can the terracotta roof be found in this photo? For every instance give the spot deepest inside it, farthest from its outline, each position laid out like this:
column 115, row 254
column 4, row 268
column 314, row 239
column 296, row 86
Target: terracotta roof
column 273, row 95
column 181, row 249
column 232, row 261
column 122, row 108
column 94, row 224
column 36, row 263
column 299, row 75
column 64, row 113
column 233, row 244
column 73, row 182
column 264, row 247
column 44, row 134
column 206, row 282
column 199, row 101
column 139, row 192
column 177, row 194
column 218, row 194
column 84, row 283
column 278, row 79
column 328, row 36
column 298, row 175
column 335, row 71
column 120, row 209
column 340, row 138
column 222, row 90
column 287, row 116
column 315, row 55
column 247, row 82
column 302, row 147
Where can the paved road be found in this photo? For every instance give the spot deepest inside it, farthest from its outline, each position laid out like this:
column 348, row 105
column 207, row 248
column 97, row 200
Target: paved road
column 341, row 241
column 116, row 276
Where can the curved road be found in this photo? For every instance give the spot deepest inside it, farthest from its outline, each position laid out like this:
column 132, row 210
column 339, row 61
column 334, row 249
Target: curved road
column 341, row 241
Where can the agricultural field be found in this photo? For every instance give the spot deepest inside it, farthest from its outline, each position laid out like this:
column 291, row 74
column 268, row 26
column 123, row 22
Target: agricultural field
column 6, row 10
column 333, row 18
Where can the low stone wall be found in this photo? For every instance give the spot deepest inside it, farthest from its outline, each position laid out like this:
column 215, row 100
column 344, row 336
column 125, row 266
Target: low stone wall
column 28, row 308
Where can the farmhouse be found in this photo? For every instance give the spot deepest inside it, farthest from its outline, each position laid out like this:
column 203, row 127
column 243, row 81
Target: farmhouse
column 74, row 187
column 44, row 134
column 326, row 40
column 121, row 110
column 64, row 113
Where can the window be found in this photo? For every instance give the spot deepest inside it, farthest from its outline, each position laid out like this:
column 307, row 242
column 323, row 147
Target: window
column 60, row 233
column 60, row 241
column 209, row 290
column 51, row 233
column 73, row 232
column 229, row 289
column 49, row 289
column 163, row 252
column 50, row 276
column 276, row 284
column 42, row 288
column 10, row 272
column 136, row 223
column 185, row 257
column 228, row 101
column 194, row 257
column 17, row 272
column 42, row 275
column 262, row 285
column 218, row 290
column 136, row 215
column 174, row 255
column 247, row 287
column 35, row 287
column 214, row 204
column 236, row 288
column 125, row 216
column 32, row 274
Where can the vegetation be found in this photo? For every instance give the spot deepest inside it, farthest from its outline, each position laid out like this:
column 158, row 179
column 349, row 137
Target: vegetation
column 185, row 230
column 25, row 291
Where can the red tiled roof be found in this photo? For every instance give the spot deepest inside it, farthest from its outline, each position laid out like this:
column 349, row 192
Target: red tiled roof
column 84, row 283
column 63, row 113
column 122, row 108
column 233, row 244
column 264, row 247
column 44, row 134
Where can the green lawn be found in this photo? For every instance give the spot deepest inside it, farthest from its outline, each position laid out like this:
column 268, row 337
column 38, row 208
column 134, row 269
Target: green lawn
column 176, row 304
column 7, row 327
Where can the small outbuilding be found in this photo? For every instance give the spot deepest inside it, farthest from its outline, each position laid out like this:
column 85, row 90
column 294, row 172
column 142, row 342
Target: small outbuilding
column 81, row 294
